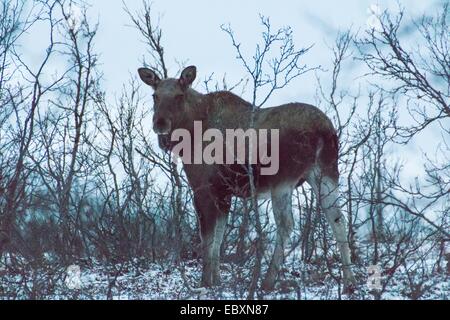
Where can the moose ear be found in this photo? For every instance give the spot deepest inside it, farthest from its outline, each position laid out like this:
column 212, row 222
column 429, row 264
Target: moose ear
column 149, row 77
column 188, row 76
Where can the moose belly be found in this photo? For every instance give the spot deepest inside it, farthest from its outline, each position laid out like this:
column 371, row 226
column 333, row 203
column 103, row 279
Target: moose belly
column 236, row 180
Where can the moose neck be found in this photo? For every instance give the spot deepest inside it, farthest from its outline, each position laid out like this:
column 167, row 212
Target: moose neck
column 217, row 110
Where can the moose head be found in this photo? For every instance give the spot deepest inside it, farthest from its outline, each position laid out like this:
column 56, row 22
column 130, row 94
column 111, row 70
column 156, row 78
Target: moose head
column 169, row 97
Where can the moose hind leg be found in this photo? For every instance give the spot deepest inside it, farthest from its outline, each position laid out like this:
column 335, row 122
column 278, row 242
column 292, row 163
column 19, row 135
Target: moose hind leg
column 327, row 191
column 282, row 211
column 339, row 228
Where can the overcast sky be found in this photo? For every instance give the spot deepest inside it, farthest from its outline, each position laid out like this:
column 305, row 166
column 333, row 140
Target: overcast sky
column 192, row 34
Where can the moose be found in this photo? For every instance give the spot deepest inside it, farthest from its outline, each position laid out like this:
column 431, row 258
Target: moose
column 308, row 152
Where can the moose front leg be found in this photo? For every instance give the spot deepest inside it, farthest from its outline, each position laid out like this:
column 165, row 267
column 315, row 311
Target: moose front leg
column 212, row 235
column 207, row 226
column 213, row 214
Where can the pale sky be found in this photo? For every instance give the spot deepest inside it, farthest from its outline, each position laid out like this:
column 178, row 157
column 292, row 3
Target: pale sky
column 192, row 34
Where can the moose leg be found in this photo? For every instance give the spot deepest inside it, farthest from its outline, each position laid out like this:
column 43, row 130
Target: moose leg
column 282, row 211
column 210, row 255
column 215, row 254
column 327, row 191
column 212, row 215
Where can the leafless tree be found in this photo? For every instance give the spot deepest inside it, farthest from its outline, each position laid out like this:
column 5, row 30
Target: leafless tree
column 421, row 77
column 19, row 108
column 151, row 35
column 269, row 70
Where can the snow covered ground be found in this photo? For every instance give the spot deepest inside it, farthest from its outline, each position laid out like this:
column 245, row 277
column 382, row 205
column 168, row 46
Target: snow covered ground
column 141, row 280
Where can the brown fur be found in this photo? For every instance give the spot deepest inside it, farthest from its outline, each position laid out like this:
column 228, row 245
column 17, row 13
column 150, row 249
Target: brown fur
column 307, row 139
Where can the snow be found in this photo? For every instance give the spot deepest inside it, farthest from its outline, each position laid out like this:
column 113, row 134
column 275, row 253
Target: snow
column 138, row 279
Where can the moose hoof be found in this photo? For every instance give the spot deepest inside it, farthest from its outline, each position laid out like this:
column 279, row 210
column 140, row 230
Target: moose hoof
column 268, row 285
column 208, row 282
column 349, row 289
column 349, row 286
column 216, row 280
